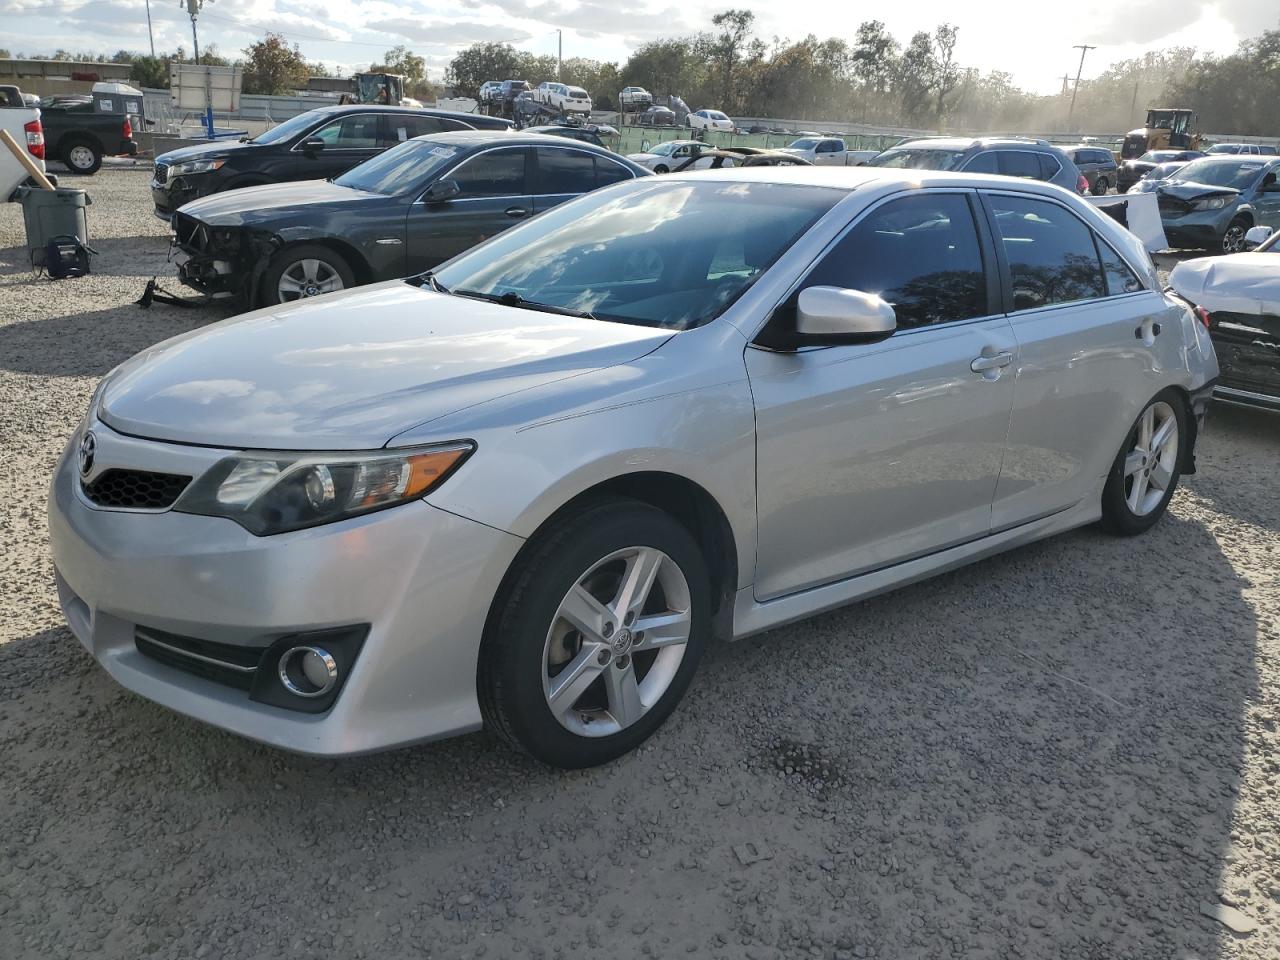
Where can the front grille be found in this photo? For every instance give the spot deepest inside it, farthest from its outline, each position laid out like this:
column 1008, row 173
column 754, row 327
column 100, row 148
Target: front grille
column 222, row 663
column 190, row 232
column 135, row 489
column 161, row 173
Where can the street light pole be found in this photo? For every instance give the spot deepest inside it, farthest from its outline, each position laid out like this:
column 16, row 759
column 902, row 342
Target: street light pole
column 193, row 8
column 1083, row 48
column 150, row 35
column 559, row 52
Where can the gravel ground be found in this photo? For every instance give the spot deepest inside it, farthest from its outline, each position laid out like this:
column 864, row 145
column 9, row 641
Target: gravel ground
column 1068, row 751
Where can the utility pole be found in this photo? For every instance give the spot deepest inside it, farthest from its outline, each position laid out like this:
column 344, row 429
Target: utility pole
column 1066, row 79
column 193, row 9
column 150, row 36
column 559, row 52
column 1083, row 48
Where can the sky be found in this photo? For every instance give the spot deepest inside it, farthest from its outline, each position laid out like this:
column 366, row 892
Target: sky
column 1033, row 42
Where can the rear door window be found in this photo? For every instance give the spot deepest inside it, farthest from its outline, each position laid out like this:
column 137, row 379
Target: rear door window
column 1051, row 254
column 494, row 173
column 356, row 132
column 1019, row 163
column 564, row 171
column 920, row 253
column 983, row 163
column 398, row 128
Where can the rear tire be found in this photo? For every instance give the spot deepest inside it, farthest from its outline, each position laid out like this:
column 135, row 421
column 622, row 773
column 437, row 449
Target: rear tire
column 578, row 696
column 82, row 157
column 1101, row 186
column 1145, row 473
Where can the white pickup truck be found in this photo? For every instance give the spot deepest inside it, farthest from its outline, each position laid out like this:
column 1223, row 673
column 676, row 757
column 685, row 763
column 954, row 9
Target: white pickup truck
column 23, row 124
column 828, row 152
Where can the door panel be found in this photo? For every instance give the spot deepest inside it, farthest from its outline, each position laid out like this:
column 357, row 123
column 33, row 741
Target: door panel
column 494, row 196
column 870, row 455
column 1089, row 357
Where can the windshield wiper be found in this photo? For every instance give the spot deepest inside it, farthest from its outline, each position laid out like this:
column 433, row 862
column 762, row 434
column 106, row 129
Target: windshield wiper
column 429, row 280
column 511, row 299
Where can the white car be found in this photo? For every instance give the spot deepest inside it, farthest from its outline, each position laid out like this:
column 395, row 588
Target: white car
column 635, row 99
column 490, row 90
column 23, row 124
column 828, row 151
column 563, row 97
column 665, row 157
column 710, row 120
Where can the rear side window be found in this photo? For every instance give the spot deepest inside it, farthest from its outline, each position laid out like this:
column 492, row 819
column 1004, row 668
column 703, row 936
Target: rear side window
column 399, row 128
column 920, row 254
column 1019, row 163
column 496, row 173
column 608, row 172
column 1051, row 253
column 1049, row 166
column 565, row 171
column 1119, row 276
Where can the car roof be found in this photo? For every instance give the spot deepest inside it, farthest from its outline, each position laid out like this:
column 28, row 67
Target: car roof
column 340, row 109
column 967, row 143
column 475, row 138
column 853, row 178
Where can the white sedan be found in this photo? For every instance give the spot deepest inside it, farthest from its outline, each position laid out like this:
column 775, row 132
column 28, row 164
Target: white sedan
column 665, row 157
column 710, row 120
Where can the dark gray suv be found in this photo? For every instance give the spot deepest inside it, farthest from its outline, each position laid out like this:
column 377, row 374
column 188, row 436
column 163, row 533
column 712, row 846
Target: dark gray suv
column 1007, row 156
column 1097, row 165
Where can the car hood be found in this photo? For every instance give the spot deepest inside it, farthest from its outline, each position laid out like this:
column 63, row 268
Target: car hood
column 202, row 151
column 249, row 203
column 1190, row 190
column 1238, row 283
column 352, row 370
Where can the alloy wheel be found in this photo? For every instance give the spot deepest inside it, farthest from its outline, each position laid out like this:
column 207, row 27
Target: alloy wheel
column 1150, row 465
column 1233, row 239
column 307, row 278
column 616, row 641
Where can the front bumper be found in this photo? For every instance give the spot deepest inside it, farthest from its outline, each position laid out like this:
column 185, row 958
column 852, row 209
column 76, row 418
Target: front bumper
column 420, row 577
column 171, row 194
column 1199, row 230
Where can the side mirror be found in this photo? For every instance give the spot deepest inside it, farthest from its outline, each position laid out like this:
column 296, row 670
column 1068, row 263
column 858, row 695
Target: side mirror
column 830, row 316
column 1256, row 237
column 441, row 190
column 311, row 145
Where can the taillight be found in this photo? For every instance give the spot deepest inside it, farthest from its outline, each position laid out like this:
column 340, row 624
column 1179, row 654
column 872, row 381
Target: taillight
column 127, row 132
column 35, row 138
column 1203, row 315
column 1082, row 184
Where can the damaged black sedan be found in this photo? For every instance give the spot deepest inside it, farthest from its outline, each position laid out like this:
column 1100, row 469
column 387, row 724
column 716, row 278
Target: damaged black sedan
column 403, row 212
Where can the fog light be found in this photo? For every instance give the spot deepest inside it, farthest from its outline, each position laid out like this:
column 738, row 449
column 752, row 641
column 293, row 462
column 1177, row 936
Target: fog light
column 308, row 671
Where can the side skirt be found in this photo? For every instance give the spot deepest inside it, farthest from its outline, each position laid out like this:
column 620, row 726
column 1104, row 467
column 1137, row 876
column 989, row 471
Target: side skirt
column 751, row 616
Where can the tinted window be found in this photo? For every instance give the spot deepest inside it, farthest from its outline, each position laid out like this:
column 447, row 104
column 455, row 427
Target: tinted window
column 1120, row 278
column 358, row 131
column 1052, row 258
column 1049, row 166
column 497, row 173
column 828, row 146
column 565, row 171
column 1019, row 163
column 608, row 172
column 401, row 127
column 982, row 163
column 919, row 253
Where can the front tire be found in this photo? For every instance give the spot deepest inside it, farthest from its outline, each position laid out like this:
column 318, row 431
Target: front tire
column 661, row 168
column 82, row 157
column 298, row 273
column 1146, row 470
column 596, row 634
column 1233, row 236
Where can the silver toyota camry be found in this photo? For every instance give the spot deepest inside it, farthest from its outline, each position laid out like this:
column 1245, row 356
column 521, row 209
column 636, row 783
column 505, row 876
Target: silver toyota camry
column 526, row 490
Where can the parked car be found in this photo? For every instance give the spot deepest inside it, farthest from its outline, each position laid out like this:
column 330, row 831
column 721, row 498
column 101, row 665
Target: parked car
column 527, row 490
column 1156, row 176
column 1212, row 202
column 562, row 97
column 1131, row 171
column 23, row 124
column 665, row 157
column 828, row 151
column 1238, row 297
column 634, row 99
column 79, row 130
column 1097, row 165
column 1252, row 149
column 657, row 117
column 591, row 133
column 315, row 145
column 728, row 157
column 402, row 212
column 1009, row 157
column 490, row 90
column 710, row 120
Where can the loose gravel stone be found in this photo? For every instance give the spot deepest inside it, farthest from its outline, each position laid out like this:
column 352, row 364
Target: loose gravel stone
column 1061, row 751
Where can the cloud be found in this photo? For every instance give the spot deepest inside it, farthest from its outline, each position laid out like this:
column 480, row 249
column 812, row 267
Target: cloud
column 449, row 32
column 1146, row 21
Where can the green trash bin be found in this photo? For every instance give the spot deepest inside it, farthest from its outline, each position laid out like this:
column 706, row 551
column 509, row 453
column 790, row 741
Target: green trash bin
column 53, row 213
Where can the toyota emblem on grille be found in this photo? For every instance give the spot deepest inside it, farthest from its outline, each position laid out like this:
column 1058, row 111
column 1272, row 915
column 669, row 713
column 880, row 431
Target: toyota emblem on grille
column 88, row 447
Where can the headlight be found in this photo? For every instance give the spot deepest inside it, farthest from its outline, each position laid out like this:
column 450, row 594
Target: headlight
column 1210, row 203
column 194, row 166
column 268, row 493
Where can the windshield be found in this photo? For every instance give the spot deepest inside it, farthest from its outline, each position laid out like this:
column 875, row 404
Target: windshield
column 1162, row 170
column 1221, row 172
column 403, row 168
column 289, row 129
column 716, row 115
column 662, row 149
column 1157, row 156
column 806, row 143
column 654, row 252
column 918, row 158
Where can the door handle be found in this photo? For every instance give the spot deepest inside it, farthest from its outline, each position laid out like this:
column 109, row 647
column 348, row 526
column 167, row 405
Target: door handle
column 994, row 362
column 516, row 212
